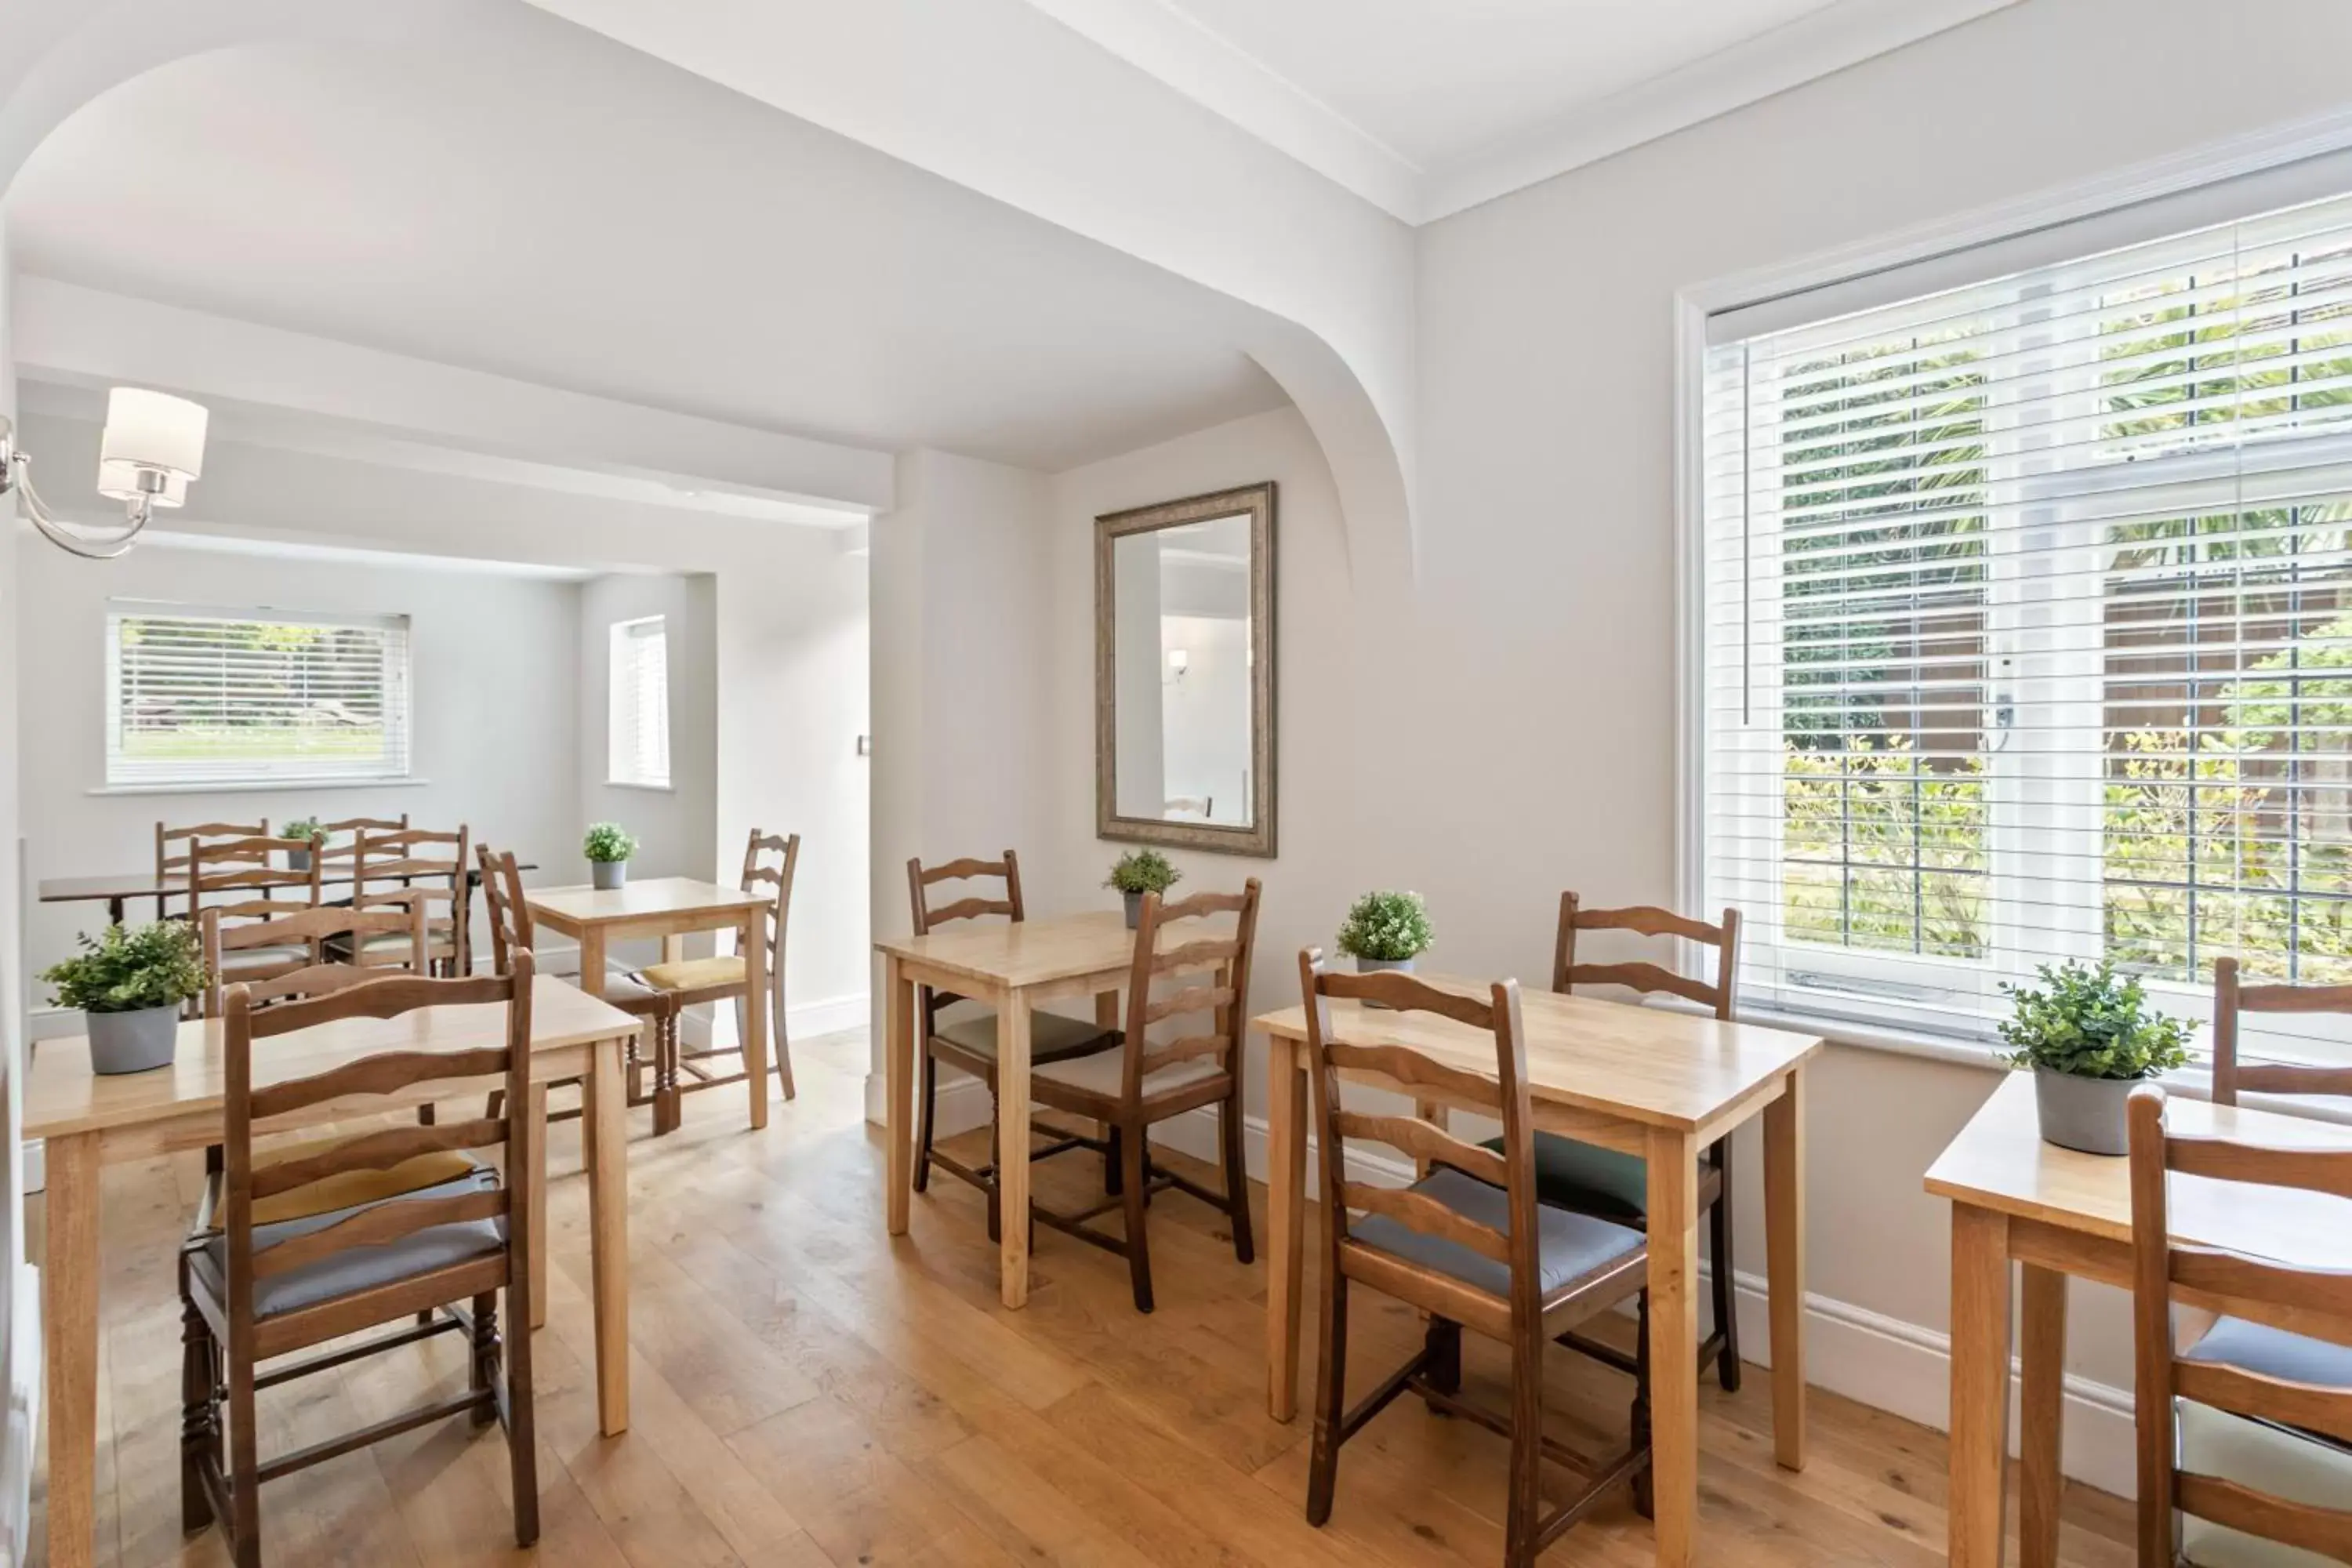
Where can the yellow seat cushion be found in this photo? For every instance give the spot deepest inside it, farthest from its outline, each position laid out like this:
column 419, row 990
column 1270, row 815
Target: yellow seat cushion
column 347, row 1189
column 695, row 973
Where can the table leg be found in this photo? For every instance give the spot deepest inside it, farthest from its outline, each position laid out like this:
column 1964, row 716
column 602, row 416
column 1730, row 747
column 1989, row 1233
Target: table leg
column 69, row 1315
column 897, row 1093
column 592, row 961
column 537, row 1110
column 1979, row 1440
column 673, row 947
column 608, row 1232
column 114, row 909
column 2043, row 1347
column 1784, row 1251
column 1673, row 1338
column 1013, row 1146
column 755, row 1010
column 1285, row 1203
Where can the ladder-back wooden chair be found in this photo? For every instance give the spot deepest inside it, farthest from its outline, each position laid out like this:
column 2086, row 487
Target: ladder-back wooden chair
column 173, row 845
column 1144, row 1083
column 344, row 837
column 242, row 881
column 417, row 865
column 298, row 946
column 692, row 982
column 2280, row 1357
column 1469, row 1244
column 1589, row 1179
column 968, row 1043
column 312, row 1249
column 2233, row 1076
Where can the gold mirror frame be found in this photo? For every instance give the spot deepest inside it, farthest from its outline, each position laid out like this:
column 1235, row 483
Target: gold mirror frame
column 1258, row 837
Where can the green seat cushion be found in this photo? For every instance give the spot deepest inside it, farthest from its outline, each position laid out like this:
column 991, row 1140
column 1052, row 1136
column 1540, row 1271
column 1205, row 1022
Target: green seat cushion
column 1569, row 1175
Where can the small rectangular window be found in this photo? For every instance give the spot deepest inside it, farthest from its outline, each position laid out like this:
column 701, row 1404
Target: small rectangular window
column 230, row 697
column 637, row 707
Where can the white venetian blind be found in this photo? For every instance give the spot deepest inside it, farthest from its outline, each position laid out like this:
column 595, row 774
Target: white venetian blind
column 208, row 697
column 2028, row 629
column 637, row 719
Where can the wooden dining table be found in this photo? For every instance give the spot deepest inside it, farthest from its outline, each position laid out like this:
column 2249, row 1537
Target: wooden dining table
column 89, row 1119
column 2053, row 1212
column 1012, row 966
column 670, row 909
column 1654, row 1082
column 116, row 891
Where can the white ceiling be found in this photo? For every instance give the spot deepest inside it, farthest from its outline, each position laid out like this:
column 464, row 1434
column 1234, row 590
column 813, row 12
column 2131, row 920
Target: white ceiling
column 534, row 200
column 1429, row 106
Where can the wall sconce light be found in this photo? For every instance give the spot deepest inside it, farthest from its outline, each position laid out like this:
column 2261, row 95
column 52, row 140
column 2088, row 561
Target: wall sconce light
column 153, row 445
column 1179, row 662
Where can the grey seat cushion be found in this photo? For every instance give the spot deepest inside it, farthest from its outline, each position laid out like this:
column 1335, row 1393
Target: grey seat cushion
column 1105, row 1073
column 355, row 1267
column 2275, row 1352
column 1051, row 1037
column 1568, row 1245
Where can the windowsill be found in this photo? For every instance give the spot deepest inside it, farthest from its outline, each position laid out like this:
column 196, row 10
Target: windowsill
column 631, row 784
column 244, row 786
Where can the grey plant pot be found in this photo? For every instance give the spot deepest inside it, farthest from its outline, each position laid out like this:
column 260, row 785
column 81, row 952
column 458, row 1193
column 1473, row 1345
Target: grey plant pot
column 134, row 1041
column 2085, row 1113
column 609, row 874
column 1374, row 965
column 298, row 859
column 1134, row 910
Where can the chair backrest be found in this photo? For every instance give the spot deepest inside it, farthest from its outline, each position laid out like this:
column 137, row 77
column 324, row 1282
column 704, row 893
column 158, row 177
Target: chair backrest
column 312, row 973
column 172, row 845
column 2313, row 1302
column 1646, row 920
column 1167, row 982
column 920, row 880
column 1437, row 1089
column 235, row 877
column 398, row 1074
column 760, row 872
column 408, row 866
column 2231, row 998
column 342, row 838
column 511, row 926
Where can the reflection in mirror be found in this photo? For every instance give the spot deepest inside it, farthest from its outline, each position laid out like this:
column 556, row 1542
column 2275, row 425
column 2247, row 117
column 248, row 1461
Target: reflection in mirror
column 1184, row 593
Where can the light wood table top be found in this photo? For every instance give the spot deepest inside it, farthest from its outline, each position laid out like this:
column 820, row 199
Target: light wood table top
column 2000, row 1162
column 1022, row 954
column 1651, row 1065
column 654, row 899
column 63, row 1095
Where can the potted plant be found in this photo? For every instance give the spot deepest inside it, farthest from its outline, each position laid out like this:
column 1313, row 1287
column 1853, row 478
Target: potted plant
column 1138, row 872
column 2089, row 1037
column 302, row 827
column 608, row 847
column 1385, row 930
column 130, row 983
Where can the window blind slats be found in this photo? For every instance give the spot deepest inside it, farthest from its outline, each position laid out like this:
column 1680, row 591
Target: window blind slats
column 637, row 727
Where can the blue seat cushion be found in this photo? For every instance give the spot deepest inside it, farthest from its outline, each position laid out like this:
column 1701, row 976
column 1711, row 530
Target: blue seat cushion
column 1568, row 1245
column 354, row 1268
column 2300, row 1467
column 2275, row 1352
column 1588, row 1177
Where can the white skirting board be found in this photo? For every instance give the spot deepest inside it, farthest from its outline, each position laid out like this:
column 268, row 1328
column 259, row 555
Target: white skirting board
column 1902, row 1368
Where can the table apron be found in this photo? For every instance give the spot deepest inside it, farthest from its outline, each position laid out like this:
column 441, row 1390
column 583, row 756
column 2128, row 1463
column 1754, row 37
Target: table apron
column 638, row 928
column 995, row 992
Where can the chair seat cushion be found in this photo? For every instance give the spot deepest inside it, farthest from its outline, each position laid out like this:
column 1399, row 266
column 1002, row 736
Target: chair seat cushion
column 356, row 1189
column 1051, row 1037
column 1568, row 1245
column 2275, row 1352
column 695, row 973
column 632, row 997
column 354, row 1268
column 1586, row 1177
column 1105, row 1073
column 2280, row 1460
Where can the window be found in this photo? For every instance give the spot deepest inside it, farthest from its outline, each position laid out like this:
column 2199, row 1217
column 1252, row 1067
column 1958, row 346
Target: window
column 225, row 697
column 637, row 706
column 2027, row 626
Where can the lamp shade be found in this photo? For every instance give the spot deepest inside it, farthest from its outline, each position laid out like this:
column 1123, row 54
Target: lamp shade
column 150, row 430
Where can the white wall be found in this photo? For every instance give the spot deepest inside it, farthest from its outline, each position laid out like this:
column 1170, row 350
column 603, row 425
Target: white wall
column 674, row 827
column 495, row 693
column 19, row 1352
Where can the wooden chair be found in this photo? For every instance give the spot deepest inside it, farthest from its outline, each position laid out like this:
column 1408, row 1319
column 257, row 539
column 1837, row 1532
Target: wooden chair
column 2280, row 1356
column 1142, row 1083
column 297, row 946
column 297, row 1261
column 512, row 930
column 344, row 837
column 1591, row 1180
column 171, row 865
column 968, row 1044
column 692, row 982
column 402, row 867
column 2232, row 998
column 1469, row 1244
column 237, row 880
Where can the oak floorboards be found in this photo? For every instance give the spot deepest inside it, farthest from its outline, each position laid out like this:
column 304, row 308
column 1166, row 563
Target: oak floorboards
column 809, row 1393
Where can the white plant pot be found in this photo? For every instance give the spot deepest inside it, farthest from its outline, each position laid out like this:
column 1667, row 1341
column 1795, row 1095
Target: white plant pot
column 135, row 1041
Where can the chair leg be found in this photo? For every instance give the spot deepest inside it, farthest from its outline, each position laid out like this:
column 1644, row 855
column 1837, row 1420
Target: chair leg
column 1112, row 1160
column 199, row 1430
column 244, row 1471
column 928, row 1091
column 1643, row 1493
column 1135, row 1178
column 523, row 1437
column 1442, row 1339
column 1523, row 1515
column 669, row 1105
column 780, row 1044
column 1725, row 1281
column 485, row 1369
column 995, row 1163
column 1237, row 1195
column 1330, row 1401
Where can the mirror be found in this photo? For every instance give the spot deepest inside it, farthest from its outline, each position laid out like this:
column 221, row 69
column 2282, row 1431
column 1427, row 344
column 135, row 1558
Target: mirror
column 1184, row 673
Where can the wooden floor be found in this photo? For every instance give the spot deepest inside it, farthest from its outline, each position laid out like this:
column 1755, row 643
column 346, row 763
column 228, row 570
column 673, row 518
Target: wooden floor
column 808, row 1394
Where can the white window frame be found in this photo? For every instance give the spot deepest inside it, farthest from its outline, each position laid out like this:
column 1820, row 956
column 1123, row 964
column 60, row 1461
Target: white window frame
column 621, row 771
